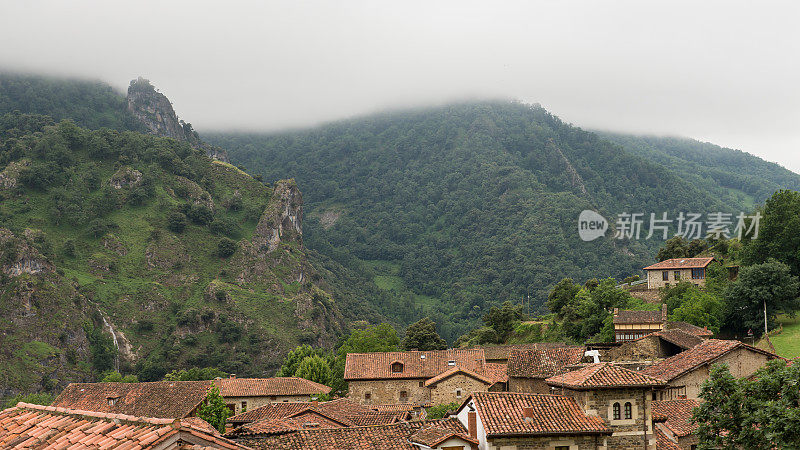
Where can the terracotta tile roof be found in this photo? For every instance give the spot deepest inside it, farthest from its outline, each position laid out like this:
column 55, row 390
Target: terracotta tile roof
column 680, row 263
column 270, row 411
column 378, row 418
column 634, row 317
column 543, row 363
column 501, row 414
column 678, row 337
column 603, row 375
column 455, row 371
column 703, row 353
column 416, row 364
column 397, row 407
column 689, row 328
column 308, row 418
column 261, row 387
column 664, row 442
column 50, row 427
column 676, row 415
column 433, row 436
column 496, row 371
column 385, row 437
column 499, row 352
column 173, row 399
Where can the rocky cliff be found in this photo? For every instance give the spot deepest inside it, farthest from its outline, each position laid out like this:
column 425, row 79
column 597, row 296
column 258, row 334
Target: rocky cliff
column 154, row 110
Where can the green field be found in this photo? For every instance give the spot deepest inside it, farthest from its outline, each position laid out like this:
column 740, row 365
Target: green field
column 787, row 342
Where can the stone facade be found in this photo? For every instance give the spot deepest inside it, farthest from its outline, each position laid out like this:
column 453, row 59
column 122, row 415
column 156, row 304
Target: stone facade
column 742, row 363
column 633, row 433
column 388, row 392
column 455, row 389
column 648, row 348
column 528, row 385
column 655, row 278
column 241, row 404
column 549, row 443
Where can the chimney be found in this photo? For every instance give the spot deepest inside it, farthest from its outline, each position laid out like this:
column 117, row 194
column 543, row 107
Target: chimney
column 616, row 312
column 314, row 403
column 472, row 424
column 528, row 413
column 663, row 312
column 233, row 375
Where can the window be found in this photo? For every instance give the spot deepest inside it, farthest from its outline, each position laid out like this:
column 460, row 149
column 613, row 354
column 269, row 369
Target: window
column 665, row 275
column 562, row 447
column 628, row 410
column 397, row 367
column 367, row 395
column 458, row 393
column 616, row 411
column 112, row 401
column 452, row 362
column 698, row 274
column 677, row 275
column 421, row 384
column 244, row 406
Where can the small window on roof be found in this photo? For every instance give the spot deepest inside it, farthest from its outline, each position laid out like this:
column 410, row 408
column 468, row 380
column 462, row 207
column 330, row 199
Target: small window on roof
column 452, row 362
column 397, row 367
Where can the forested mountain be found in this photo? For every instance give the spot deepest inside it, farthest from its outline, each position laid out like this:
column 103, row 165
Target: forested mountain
column 454, row 208
column 125, row 250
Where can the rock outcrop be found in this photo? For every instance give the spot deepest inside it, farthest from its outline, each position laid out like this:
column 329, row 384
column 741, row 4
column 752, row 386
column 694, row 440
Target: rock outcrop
column 154, row 110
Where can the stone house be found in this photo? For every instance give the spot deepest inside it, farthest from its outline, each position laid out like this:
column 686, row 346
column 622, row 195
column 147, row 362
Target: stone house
column 672, row 271
column 36, row 426
column 654, row 346
column 522, row 421
column 419, row 377
column 178, row 399
column 632, row 325
column 672, row 421
column 621, row 398
column 527, row 369
column 685, row 372
column 241, row 394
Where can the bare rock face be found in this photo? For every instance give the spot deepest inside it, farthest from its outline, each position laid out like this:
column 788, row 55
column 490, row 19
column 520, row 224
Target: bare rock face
column 126, row 177
column 20, row 257
column 154, row 110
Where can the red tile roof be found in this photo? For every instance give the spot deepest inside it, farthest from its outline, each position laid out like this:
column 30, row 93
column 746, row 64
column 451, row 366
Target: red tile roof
column 543, row 363
column 502, row 414
column 416, row 364
column 603, row 375
column 676, row 415
column 634, row 317
column 342, row 410
column 173, row 399
column 433, row 436
column 384, row 437
column 262, row 387
column 270, row 411
column 678, row 337
column 664, row 442
column 680, row 263
column 455, row 371
column 689, row 328
column 703, row 353
column 50, row 427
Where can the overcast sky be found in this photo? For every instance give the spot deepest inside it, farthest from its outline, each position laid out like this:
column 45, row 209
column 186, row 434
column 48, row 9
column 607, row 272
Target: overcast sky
column 727, row 72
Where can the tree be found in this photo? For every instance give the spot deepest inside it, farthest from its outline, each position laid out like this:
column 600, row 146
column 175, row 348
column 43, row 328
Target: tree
column 176, row 221
column 314, row 368
column 377, row 338
column 213, row 409
column 562, row 293
column 116, row 377
column 778, row 232
column 679, row 247
column 503, row 319
column 700, row 308
column 759, row 412
column 226, row 247
column 770, row 285
column 195, row 374
column 439, row 411
column 421, row 335
column 294, row 358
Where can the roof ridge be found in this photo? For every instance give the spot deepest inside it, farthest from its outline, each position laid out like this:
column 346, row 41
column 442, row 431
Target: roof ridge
column 98, row 415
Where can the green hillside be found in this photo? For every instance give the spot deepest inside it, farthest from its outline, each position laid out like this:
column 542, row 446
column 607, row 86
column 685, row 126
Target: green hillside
column 454, row 208
column 185, row 261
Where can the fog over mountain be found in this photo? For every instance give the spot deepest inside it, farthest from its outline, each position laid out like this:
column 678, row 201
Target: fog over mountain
column 723, row 72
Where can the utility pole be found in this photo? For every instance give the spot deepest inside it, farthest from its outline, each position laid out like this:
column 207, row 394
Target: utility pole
column 765, row 318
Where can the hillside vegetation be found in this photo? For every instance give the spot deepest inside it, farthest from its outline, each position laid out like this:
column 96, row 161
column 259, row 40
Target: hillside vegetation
column 452, row 209
column 119, row 236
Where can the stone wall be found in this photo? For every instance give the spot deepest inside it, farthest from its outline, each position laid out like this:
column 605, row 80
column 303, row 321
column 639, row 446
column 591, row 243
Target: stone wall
column 252, row 403
column 528, row 385
column 628, row 433
column 741, row 362
column 549, row 443
column 387, row 392
column 455, row 389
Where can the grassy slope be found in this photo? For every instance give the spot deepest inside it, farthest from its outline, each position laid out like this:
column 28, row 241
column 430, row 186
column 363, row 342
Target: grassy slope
column 787, row 342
